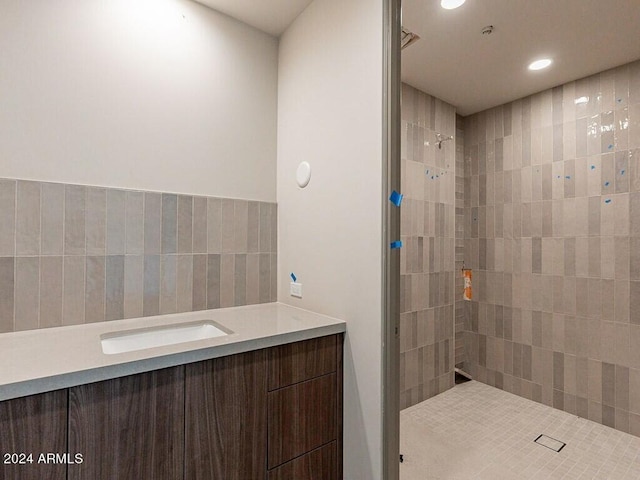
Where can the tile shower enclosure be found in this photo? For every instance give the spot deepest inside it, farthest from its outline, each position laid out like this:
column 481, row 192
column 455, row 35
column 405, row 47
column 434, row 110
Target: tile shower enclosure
column 551, row 228
column 72, row 254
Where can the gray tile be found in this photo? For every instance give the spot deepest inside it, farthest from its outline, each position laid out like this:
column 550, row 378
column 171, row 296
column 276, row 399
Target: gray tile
column 253, row 227
column 240, row 226
column 274, row 277
column 7, row 284
column 227, row 276
column 74, row 286
column 114, row 288
column 213, row 280
column 134, row 223
column 265, row 227
column 96, row 221
column 7, row 217
column 52, row 219
column 634, row 259
column 116, row 221
column 199, row 225
column 214, row 225
column 622, row 388
column 152, row 223
column 169, row 223
column 28, row 218
column 274, row 228
column 253, row 279
column 94, row 306
column 133, row 286
column 184, row 283
column 634, row 214
column 265, row 278
column 151, row 291
column 227, row 225
column 622, row 173
column 168, row 284
column 185, row 224
column 51, row 282
column 27, row 293
column 608, row 384
column 199, row 282
column 240, row 280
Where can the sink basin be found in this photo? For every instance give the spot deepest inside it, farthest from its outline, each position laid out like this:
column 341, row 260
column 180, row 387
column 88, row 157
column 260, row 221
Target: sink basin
column 140, row 339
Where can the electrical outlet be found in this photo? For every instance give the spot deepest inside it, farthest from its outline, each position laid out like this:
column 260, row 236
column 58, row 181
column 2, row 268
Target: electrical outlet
column 295, row 289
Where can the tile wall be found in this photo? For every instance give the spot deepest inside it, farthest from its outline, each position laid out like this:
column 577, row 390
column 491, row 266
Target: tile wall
column 71, row 254
column 460, row 304
column 552, row 226
column 427, row 257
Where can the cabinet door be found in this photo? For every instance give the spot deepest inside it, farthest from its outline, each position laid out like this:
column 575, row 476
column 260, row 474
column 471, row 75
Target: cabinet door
column 34, row 425
column 129, row 428
column 320, row 464
column 302, row 417
column 226, row 418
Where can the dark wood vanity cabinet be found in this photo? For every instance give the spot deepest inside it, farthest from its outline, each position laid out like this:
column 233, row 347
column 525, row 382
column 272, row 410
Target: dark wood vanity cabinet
column 270, row 414
column 226, row 418
column 30, row 427
column 129, row 428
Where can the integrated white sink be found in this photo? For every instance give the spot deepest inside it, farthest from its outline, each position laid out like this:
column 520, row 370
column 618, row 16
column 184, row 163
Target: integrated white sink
column 140, row 339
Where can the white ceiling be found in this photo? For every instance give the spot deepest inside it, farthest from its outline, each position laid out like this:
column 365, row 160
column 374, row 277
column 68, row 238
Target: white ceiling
column 271, row 16
column 456, row 63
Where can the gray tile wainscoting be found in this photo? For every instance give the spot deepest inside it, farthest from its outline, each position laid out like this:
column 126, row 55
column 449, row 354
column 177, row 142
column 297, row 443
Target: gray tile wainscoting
column 71, row 254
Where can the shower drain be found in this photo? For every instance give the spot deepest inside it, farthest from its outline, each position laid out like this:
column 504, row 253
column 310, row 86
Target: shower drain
column 551, row 443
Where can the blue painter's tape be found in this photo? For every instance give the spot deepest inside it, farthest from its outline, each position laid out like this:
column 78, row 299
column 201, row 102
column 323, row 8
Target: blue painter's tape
column 608, row 200
column 396, row 198
column 622, row 172
column 619, row 100
column 606, row 184
column 396, row 244
column 293, row 277
column 568, row 177
column 610, row 147
column 427, row 172
column 593, row 167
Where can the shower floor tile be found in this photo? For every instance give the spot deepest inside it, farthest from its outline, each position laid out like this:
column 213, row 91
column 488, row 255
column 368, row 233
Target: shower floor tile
column 474, row 431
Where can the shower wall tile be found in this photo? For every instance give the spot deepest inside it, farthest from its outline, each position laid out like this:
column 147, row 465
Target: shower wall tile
column 71, row 254
column 432, row 231
column 569, row 210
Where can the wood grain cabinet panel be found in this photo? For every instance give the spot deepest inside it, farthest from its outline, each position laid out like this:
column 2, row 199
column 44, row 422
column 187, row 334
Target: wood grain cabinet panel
column 320, row 464
column 302, row 417
column 129, row 428
column 296, row 362
column 226, row 418
column 35, row 424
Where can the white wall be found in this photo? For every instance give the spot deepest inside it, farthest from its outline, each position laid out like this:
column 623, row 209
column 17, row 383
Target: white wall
column 330, row 234
column 152, row 94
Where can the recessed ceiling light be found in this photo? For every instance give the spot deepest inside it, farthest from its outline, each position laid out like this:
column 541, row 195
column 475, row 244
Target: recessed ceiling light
column 540, row 64
column 451, row 4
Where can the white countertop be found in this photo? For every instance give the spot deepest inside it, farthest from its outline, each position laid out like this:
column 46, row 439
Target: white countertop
column 37, row 361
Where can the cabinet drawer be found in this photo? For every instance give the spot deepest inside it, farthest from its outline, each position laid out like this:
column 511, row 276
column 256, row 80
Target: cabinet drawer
column 321, row 464
column 296, row 362
column 302, row 417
